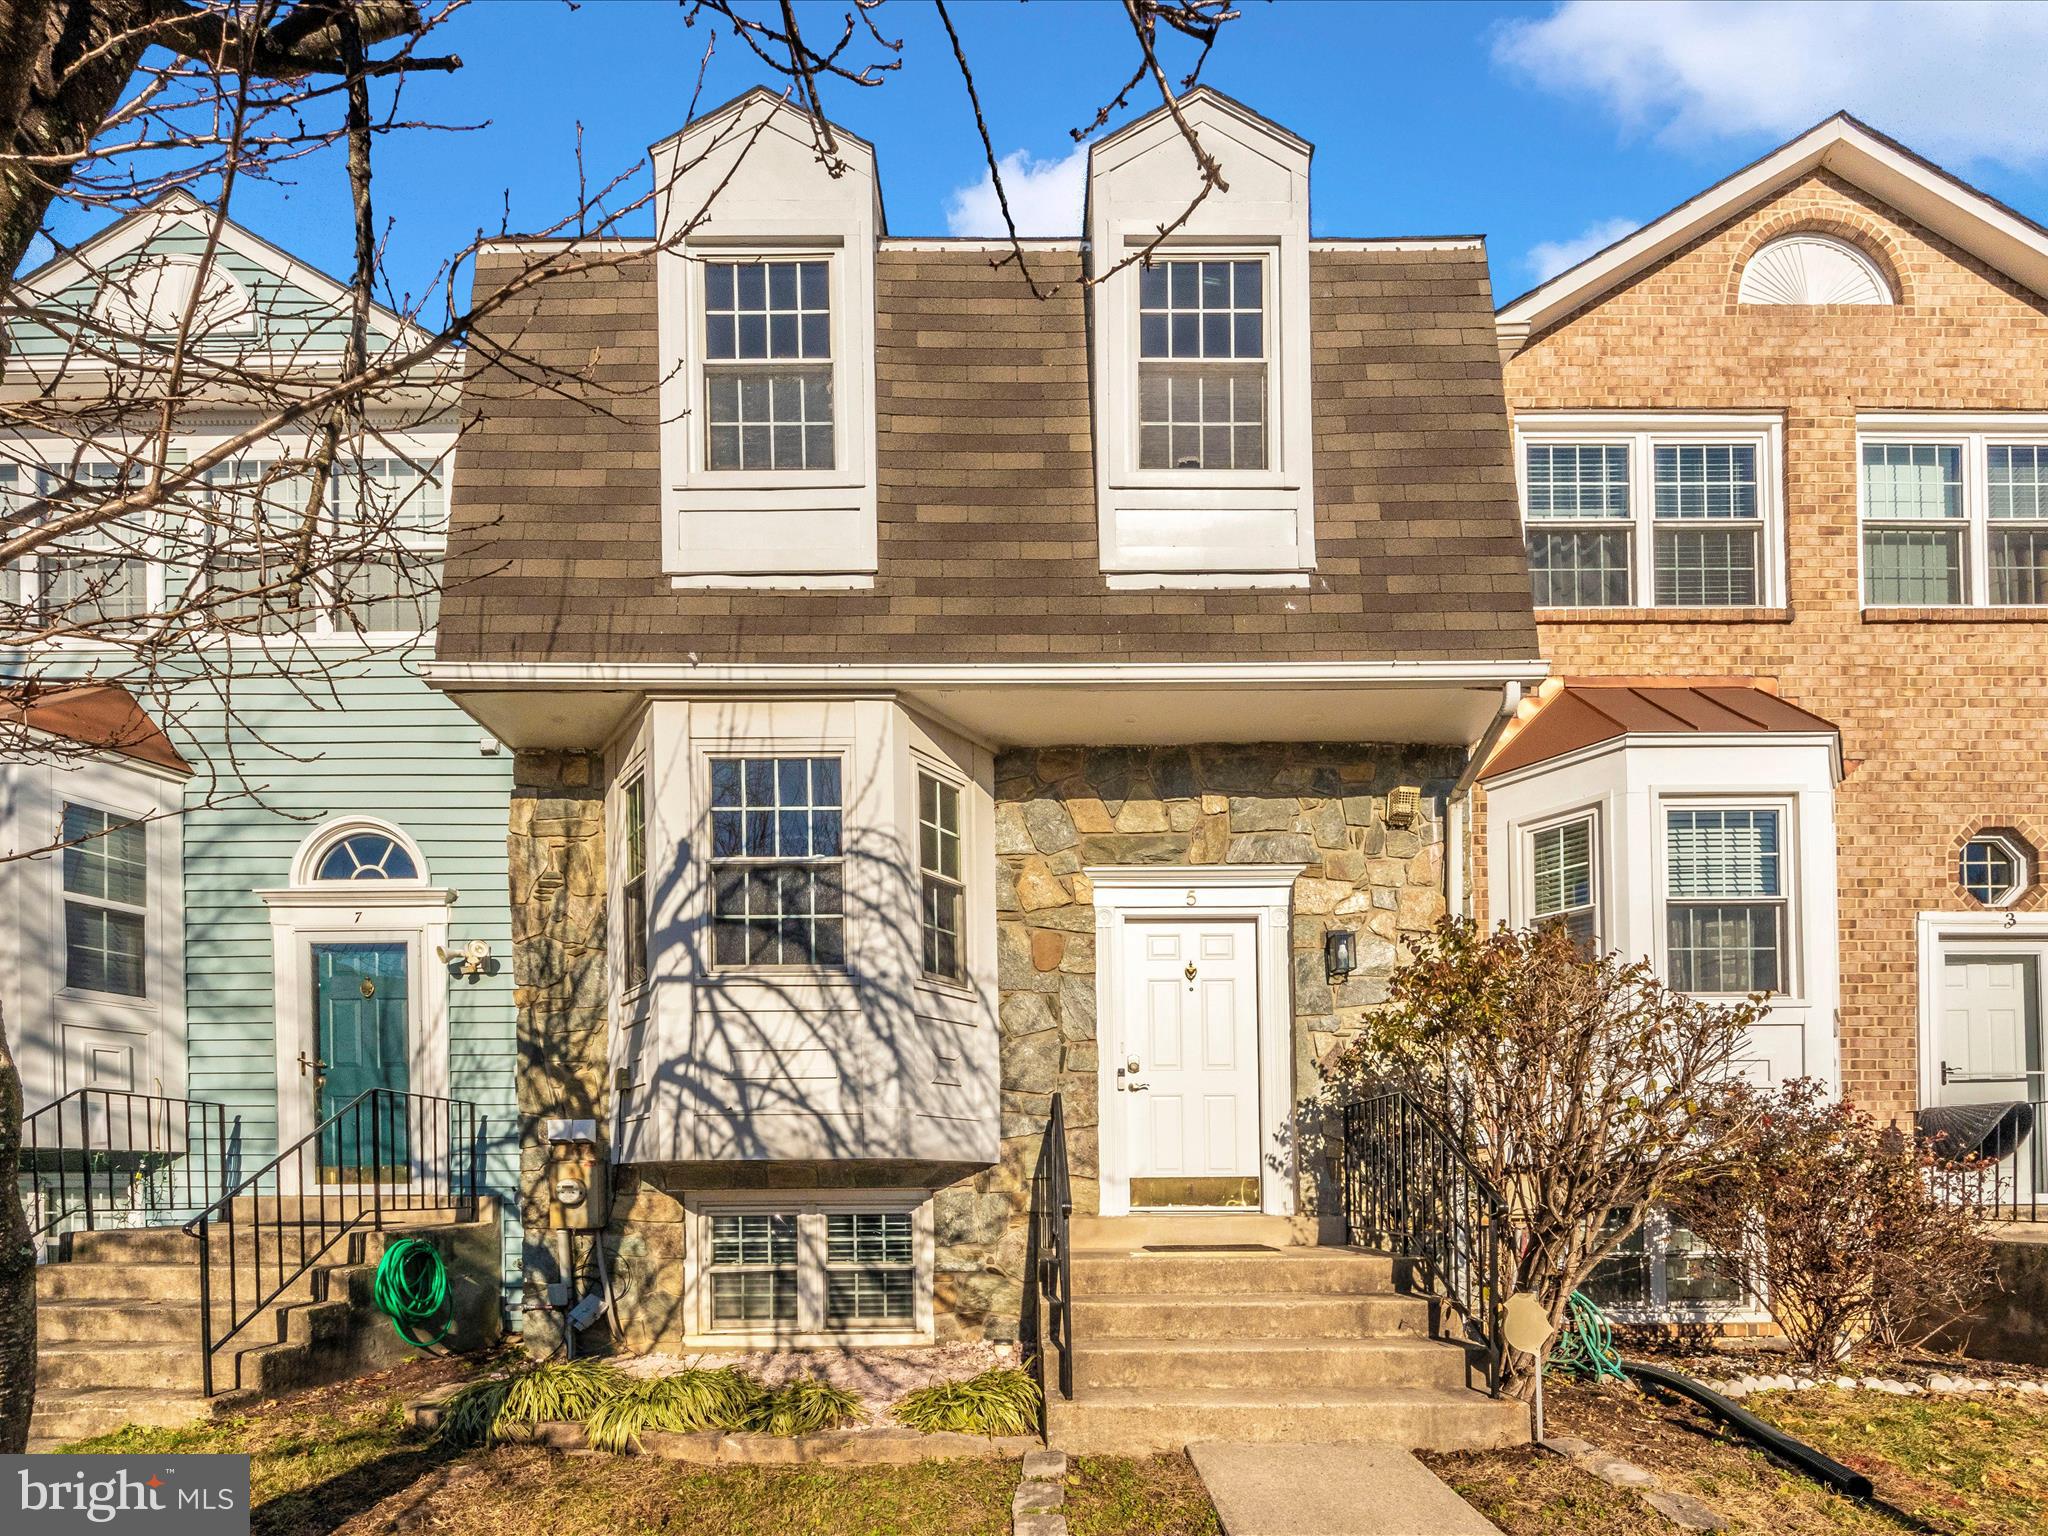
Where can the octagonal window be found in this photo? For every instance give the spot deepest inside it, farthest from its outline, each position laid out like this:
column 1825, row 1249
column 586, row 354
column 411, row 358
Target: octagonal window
column 1995, row 868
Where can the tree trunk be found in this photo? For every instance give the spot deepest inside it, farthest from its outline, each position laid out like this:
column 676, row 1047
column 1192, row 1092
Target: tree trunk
column 17, row 1271
column 50, row 105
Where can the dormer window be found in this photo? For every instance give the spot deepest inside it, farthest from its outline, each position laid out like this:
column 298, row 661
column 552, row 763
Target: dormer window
column 1202, row 365
column 768, row 365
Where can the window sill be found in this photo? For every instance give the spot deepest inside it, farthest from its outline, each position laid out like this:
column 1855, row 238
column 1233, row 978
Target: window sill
column 796, row 581
column 1956, row 615
column 1663, row 615
column 1202, row 581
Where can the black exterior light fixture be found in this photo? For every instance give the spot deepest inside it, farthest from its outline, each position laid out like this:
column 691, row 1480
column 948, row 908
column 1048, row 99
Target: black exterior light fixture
column 1340, row 953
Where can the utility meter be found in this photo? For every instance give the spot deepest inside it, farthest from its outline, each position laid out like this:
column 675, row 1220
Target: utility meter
column 576, row 1177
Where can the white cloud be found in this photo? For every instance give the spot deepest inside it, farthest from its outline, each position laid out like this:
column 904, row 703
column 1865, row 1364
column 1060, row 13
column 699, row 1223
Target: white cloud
column 1956, row 81
column 1547, row 258
column 1045, row 197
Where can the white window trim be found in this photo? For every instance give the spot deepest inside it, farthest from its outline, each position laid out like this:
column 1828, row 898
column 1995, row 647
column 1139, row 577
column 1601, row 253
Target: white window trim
column 1786, row 804
column 1642, row 432
column 154, row 920
column 2023, row 865
column 432, row 451
column 845, row 494
column 1973, row 434
column 810, row 1207
column 780, row 747
column 1656, row 1234
column 1526, row 834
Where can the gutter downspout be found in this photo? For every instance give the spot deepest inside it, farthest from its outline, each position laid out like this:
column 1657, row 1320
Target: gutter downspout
column 1455, row 842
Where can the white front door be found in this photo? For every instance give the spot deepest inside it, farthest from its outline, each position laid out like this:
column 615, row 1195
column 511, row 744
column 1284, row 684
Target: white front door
column 1990, row 1036
column 1187, row 1042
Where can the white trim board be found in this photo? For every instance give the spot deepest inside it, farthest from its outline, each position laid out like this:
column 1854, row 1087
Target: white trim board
column 1261, row 894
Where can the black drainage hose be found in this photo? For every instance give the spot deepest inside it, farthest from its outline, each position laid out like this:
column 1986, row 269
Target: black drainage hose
column 1776, row 1441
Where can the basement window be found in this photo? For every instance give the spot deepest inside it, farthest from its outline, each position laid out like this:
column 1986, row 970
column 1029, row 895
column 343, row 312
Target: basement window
column 783, row 1267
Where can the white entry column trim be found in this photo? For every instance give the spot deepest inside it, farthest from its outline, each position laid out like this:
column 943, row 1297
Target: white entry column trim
column 1261, row 894
column 2008, row 932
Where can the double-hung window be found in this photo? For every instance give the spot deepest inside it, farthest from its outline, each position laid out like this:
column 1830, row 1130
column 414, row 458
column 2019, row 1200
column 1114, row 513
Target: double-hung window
column 1674, row 516
column 808, row 1264
column 777, row 858
column 1202, row 365
column 633, row 885
column 1661, row 1269
column 768, row 365
column 941, row 894
column 106, row 902
column 1954, row 516
column 1561, row 869
column 391, row 521
column 98, row 575
column 255, row 511
column 1725, row 899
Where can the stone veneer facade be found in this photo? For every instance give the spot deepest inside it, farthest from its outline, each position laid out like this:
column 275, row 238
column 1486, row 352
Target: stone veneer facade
column 1058, row 810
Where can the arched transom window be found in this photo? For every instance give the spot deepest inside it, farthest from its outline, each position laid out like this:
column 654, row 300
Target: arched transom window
column 1812, row 269
column 356, row 850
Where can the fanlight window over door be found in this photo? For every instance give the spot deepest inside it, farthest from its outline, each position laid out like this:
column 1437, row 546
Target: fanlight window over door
column 1812, row 269
column 366, row 856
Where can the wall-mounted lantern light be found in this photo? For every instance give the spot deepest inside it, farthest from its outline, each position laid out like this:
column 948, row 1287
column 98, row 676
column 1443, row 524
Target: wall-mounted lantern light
column 1404, row 804
column 1340, row 953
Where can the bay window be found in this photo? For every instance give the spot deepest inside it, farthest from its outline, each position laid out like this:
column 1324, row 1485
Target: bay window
column 1954, row 514
column 633, row 885
column 942, row 895
column 1561, row 869
column 1673, row 515
column 1725, row 900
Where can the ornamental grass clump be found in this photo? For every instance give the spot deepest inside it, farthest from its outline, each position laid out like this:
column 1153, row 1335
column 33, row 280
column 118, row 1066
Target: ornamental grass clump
column 486, row 1412
column 680, row 1403
column 805, row 1405
column 1003, row 1401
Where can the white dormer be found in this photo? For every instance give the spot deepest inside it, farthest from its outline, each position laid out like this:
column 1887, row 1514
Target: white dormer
column 766, row 284
column 1201, row 356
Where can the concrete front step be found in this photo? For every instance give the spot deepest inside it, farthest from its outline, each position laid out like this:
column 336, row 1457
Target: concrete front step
column 1284, row 1272
column 115, row 1322
column 65, row 1414
column 1143, row 1228
column 1111, row 1319
column 1148, row 1421
column 142, row 1282
column 1170, row 1364
column 173, row 1245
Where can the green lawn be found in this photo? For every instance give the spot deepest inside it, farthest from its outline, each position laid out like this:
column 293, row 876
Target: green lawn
column 1961, row 1466
column 342, row 1460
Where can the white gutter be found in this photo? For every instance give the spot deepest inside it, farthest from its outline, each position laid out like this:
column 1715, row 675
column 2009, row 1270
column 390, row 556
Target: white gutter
column 540, row 676
column 1455, row 849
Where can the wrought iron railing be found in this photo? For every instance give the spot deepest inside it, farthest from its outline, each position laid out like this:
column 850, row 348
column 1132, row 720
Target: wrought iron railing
column 1409, row 1190
column 383, row 1154
column 1048, row 1322
column 1992, row 1156
column 106, row 1157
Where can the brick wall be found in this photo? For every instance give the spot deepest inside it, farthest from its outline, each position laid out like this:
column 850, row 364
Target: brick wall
column 1940, row 712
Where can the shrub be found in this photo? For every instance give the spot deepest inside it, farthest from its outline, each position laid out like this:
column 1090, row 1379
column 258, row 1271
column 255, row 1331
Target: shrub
column 488, row 1411
column 1003, row 1401
column 1581, row 1086
column 682, row 1403
column 1853, row 1235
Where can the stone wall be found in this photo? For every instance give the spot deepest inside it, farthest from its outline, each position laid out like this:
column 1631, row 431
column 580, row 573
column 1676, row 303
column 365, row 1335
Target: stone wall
column 1061, row 809
column 556, row 848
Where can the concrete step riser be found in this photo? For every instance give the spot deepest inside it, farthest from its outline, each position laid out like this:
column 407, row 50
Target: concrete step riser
column 1126, row 1232
column 1292, row 1317
column 140, row 1367
column 173, row 1245
column 1130, row 1429
column 1177, row 1275
column 62, row 1421
column 1282, row 1366
column 163, row 1282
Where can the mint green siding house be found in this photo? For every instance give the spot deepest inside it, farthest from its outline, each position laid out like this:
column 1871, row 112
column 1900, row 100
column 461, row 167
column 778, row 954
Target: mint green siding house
column 329, row 912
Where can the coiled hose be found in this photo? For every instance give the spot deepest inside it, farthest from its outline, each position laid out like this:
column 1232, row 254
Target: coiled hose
column 1585, row 1344
column 412, row 1287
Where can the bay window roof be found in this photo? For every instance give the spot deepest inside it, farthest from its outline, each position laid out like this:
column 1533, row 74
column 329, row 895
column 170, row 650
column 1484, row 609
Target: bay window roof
column 1572, row 716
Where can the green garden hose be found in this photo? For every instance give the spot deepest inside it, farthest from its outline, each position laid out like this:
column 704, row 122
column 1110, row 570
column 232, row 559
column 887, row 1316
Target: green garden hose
column 1585, row 1344
column 412, row 1287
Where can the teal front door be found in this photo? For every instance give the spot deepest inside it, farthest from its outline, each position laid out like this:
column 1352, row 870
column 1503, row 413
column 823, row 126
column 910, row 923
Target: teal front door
column 359, row 1005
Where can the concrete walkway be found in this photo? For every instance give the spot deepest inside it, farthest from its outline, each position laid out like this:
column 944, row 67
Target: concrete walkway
column 1330, row 1490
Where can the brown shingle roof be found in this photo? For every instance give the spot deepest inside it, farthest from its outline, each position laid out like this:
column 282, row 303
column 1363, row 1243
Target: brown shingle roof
column 986, row 485
column 1578, row 715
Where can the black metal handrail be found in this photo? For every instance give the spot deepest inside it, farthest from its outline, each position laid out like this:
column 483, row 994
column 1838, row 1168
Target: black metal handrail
column 1048, row 1320
column 384, row 1153
column 1992, row 1157
column 109, row 1156
column 1409, row 1190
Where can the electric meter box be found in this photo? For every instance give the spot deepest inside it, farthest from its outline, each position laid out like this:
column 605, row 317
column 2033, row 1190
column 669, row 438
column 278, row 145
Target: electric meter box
column 577, row 1186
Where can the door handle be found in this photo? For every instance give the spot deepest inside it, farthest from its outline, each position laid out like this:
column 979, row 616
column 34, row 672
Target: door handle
column 311, row 1064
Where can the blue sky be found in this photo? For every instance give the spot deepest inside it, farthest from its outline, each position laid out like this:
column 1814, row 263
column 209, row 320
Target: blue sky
column 1550, row 129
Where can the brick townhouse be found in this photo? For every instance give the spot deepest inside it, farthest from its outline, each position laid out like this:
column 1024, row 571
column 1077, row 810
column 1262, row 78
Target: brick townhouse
column 1783, row 457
